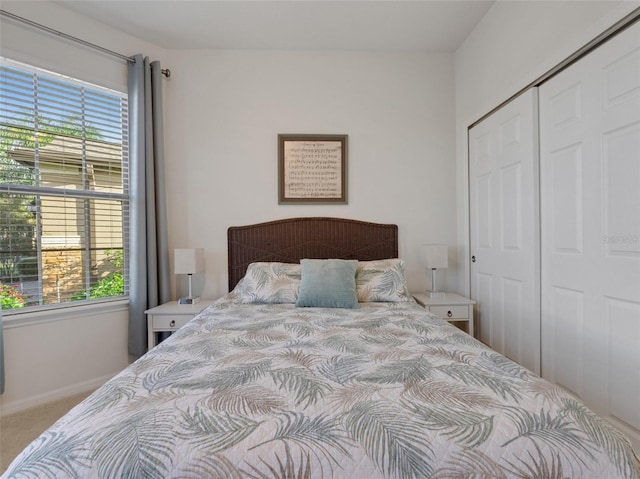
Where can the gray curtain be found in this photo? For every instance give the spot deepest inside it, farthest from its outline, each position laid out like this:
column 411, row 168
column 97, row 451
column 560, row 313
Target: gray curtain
column 1, row 356
column 149, row 283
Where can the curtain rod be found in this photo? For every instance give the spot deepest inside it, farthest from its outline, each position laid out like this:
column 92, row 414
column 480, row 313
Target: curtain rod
column 166, row 72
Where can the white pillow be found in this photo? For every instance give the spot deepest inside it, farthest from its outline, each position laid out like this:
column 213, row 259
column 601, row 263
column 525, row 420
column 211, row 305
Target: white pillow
column 269, row 283
column 382, row 281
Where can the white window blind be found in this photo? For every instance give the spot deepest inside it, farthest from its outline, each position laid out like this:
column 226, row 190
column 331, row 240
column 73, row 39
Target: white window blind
column 64, row 189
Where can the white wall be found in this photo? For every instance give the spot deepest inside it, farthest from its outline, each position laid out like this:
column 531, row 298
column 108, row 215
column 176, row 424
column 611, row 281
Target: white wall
column 48, row 359
column 226, row 108
column 52, row 359
column 513, row 45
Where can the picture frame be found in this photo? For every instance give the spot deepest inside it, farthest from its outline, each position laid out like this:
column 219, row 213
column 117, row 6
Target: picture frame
column 312, row 168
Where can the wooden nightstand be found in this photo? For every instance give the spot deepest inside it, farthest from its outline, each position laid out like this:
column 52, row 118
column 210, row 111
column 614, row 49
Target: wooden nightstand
column 170, row 317
column 452, row 308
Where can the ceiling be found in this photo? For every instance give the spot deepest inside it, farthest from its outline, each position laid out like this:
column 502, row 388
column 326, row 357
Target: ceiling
column 364, row 25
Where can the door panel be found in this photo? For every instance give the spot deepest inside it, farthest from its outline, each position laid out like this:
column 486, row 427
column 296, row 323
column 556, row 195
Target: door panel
column 503, row 179
column 590, row 229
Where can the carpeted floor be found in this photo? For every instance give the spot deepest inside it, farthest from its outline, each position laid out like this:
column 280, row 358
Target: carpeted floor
column 19, row 429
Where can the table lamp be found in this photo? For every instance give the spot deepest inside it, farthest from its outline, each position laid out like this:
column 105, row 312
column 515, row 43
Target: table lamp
column 435, row 256
column 189, row 261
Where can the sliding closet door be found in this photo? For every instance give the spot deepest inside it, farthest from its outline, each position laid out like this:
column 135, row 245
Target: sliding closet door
column 503, row 179
column 590, row 212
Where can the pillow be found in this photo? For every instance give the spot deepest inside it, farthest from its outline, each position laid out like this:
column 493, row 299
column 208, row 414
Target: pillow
column 328, row 283
column 269, row 283
column 382, row 281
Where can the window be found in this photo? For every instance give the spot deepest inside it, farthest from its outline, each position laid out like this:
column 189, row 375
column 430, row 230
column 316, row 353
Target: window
column 64, row 192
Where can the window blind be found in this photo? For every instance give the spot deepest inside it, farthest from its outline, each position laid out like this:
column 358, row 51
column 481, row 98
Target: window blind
column 64, row 189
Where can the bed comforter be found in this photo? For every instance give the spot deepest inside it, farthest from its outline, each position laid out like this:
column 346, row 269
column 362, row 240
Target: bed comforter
column 274, row 391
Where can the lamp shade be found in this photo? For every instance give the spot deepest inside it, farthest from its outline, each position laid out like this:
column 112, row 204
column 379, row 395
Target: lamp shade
column 435, row 256
column 189, row 260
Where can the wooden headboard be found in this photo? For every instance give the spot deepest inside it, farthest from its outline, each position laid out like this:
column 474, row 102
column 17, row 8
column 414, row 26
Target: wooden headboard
column 290, row 240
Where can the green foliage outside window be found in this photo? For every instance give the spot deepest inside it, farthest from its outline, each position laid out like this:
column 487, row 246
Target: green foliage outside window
column 11, row 297
column 21, row 132
column 110, row 285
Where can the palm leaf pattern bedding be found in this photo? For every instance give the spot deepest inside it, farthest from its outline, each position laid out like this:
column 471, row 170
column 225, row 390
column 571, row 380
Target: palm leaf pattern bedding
column 278, row 392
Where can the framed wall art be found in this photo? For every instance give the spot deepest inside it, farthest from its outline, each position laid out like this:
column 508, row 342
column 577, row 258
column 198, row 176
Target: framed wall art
column 312, row 168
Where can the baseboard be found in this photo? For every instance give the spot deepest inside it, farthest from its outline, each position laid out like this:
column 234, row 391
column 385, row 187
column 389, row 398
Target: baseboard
column 12, row 407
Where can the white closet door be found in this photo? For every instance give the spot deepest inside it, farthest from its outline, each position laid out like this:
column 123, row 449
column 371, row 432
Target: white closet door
column 503, row 179
column 590, row 212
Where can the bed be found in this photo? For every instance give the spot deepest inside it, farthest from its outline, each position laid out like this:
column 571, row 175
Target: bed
column 288, row 377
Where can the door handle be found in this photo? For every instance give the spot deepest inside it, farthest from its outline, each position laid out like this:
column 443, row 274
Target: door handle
column 172, row 323
column 473, row 259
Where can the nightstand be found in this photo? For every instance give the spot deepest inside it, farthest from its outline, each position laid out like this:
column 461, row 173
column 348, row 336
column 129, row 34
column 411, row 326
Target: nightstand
column 170, row 317
column 453, row 308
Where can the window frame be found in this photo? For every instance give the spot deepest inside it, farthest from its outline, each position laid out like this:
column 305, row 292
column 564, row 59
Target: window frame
column 53, row 310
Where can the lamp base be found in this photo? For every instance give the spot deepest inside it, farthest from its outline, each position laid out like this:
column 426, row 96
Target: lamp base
column 189, row 300
column 437, row 294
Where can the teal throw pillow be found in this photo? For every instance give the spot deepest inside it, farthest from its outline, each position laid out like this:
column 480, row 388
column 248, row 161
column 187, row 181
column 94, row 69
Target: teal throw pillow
column 328, row 283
